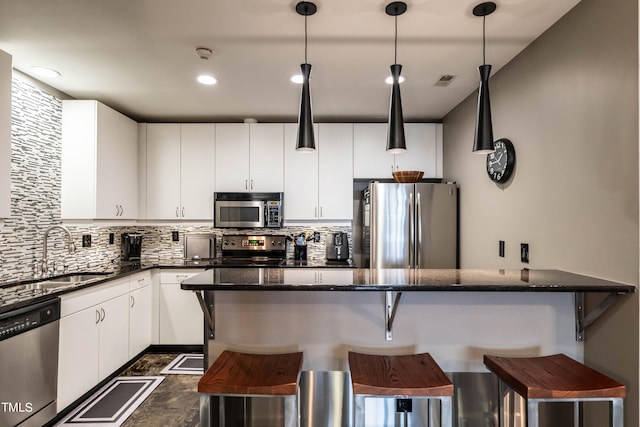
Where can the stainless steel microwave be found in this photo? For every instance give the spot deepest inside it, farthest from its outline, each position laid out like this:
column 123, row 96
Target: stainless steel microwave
column 248, row 210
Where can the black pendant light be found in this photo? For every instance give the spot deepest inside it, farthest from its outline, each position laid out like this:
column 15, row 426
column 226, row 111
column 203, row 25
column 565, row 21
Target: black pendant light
column 306, row 140
column 396, row 142
column 483, row 139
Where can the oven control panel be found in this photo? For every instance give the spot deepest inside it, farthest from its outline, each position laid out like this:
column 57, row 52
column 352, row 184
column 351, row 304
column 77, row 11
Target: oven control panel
column 265, row 243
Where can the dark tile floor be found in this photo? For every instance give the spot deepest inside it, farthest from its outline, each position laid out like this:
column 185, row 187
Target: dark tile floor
column 173, row 404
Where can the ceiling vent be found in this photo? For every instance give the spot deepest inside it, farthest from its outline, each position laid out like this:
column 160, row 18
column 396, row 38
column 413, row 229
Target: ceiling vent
column 445, row 80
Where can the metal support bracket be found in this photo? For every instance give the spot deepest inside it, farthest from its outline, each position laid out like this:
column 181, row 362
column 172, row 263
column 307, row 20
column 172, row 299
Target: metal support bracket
column 209, row 313
column 391, row 307
column 584, row 320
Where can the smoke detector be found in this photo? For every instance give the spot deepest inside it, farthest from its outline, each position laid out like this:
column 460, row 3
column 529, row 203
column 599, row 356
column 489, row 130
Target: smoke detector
column 204, row 52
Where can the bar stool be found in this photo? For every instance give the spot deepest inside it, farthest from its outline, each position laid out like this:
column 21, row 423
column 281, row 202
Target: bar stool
column 556, row 378
column 403, row 376
column 251, row 375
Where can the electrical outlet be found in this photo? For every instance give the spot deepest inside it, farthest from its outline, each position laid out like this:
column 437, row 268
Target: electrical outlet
column 175, row 236
column 316, row 236
column 501, row 248
column 404, row 405
column 524, row 252
column 86, row 240
column 112, row 238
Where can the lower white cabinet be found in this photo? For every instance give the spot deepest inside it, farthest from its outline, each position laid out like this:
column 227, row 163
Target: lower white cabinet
column 180, row 318
column 94, row 338
column 140, row 312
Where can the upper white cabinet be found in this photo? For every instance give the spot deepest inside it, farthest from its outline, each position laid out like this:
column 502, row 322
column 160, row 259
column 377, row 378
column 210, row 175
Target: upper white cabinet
column 179, row 164
column 319, row 184
column 249, row 157
column 424, row 150
column 5, row 134
column 99, row 162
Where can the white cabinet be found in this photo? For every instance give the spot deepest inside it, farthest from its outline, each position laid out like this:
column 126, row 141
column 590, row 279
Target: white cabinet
column 319, row 184
column 140, row 313
column 99, row 162
column 320, row 276
column 94, row 338
column 5, row 134
column 249, row 157
column 424, row 150
column 179, row 164
column 180, row 318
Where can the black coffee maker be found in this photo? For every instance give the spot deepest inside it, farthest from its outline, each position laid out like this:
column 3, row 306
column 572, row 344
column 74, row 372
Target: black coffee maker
column 131, row 246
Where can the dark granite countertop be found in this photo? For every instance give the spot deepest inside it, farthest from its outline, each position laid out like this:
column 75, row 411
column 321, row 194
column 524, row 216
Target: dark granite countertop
column 292, row 279
column 18, row 294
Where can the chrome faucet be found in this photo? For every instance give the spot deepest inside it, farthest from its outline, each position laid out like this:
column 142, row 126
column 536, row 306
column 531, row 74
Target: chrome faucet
column 71, row 246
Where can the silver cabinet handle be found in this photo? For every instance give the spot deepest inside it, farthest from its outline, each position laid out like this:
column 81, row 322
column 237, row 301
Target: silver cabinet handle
column 121, row 210
column 177, row 211
column 117, row 211
column 97, row 317
column 183, row 212
column 104, row 314
column 246, row 184
column 252, row 184
column 133, row 301
column 315, row 212
column 321, row 212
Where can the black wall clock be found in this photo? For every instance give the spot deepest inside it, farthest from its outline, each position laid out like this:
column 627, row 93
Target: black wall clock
column 501, row 162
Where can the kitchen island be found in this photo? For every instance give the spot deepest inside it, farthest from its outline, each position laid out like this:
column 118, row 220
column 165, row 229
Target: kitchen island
column 456, row 315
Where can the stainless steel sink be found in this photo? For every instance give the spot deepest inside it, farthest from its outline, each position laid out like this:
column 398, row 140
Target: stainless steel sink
column 76, row 277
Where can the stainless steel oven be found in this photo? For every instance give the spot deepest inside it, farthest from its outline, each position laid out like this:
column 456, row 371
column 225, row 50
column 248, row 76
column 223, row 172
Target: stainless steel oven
column 29, row 364
column 248, row 210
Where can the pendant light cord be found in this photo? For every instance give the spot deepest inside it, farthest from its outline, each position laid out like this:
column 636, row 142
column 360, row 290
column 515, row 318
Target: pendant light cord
column 395, row 57
column 484, row 58
column 305, row 39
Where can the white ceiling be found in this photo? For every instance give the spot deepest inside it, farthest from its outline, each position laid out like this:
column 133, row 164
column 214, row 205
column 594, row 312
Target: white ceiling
column 138, row 56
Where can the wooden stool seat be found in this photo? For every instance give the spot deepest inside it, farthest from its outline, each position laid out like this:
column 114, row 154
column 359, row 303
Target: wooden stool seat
column 247, row 375
column 556, row 378
column 415, row 375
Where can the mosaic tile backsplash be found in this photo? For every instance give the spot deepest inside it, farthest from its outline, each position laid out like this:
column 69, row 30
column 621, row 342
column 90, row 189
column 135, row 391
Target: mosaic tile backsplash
column 36, row 130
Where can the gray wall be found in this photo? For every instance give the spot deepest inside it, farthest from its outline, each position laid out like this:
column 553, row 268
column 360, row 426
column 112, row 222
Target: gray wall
column 569, row 103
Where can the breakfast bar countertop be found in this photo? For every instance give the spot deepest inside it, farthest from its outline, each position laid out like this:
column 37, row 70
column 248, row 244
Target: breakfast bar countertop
column 443, row 280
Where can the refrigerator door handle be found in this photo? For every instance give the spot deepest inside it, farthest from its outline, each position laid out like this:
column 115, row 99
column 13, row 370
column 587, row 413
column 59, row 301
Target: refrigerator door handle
column 418, row 238
column 412, row 232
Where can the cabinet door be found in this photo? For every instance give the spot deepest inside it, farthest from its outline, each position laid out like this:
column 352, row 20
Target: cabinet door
column 181, row 319
column 301, row 178
column 335, row 171
column 114, row 335
column 163, row 171
column 232, row 157
column 197, row 171
column 266, row 158
column 78, row 355
column 423, row 149
column 370, row 158
column 139, row 320
column 116, row 165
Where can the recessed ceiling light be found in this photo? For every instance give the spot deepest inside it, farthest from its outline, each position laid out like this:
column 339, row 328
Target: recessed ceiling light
column 45, row 72
column 389, row 80
column 297, row 79
column 206, row 79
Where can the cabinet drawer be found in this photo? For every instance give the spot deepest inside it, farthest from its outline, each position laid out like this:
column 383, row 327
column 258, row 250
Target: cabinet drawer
column 138, row 281
column 177, row 276
column 84, row 298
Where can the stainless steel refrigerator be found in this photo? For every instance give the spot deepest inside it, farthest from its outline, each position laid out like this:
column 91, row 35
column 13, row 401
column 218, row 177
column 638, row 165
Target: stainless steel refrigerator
column 410, row 225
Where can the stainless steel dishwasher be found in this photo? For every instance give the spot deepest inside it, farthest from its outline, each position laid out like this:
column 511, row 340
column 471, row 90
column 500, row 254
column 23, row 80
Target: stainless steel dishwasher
column 29, row 364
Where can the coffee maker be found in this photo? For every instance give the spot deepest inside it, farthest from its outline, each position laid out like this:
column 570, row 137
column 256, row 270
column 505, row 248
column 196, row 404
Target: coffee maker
column 337, row 247
column 131, row 246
